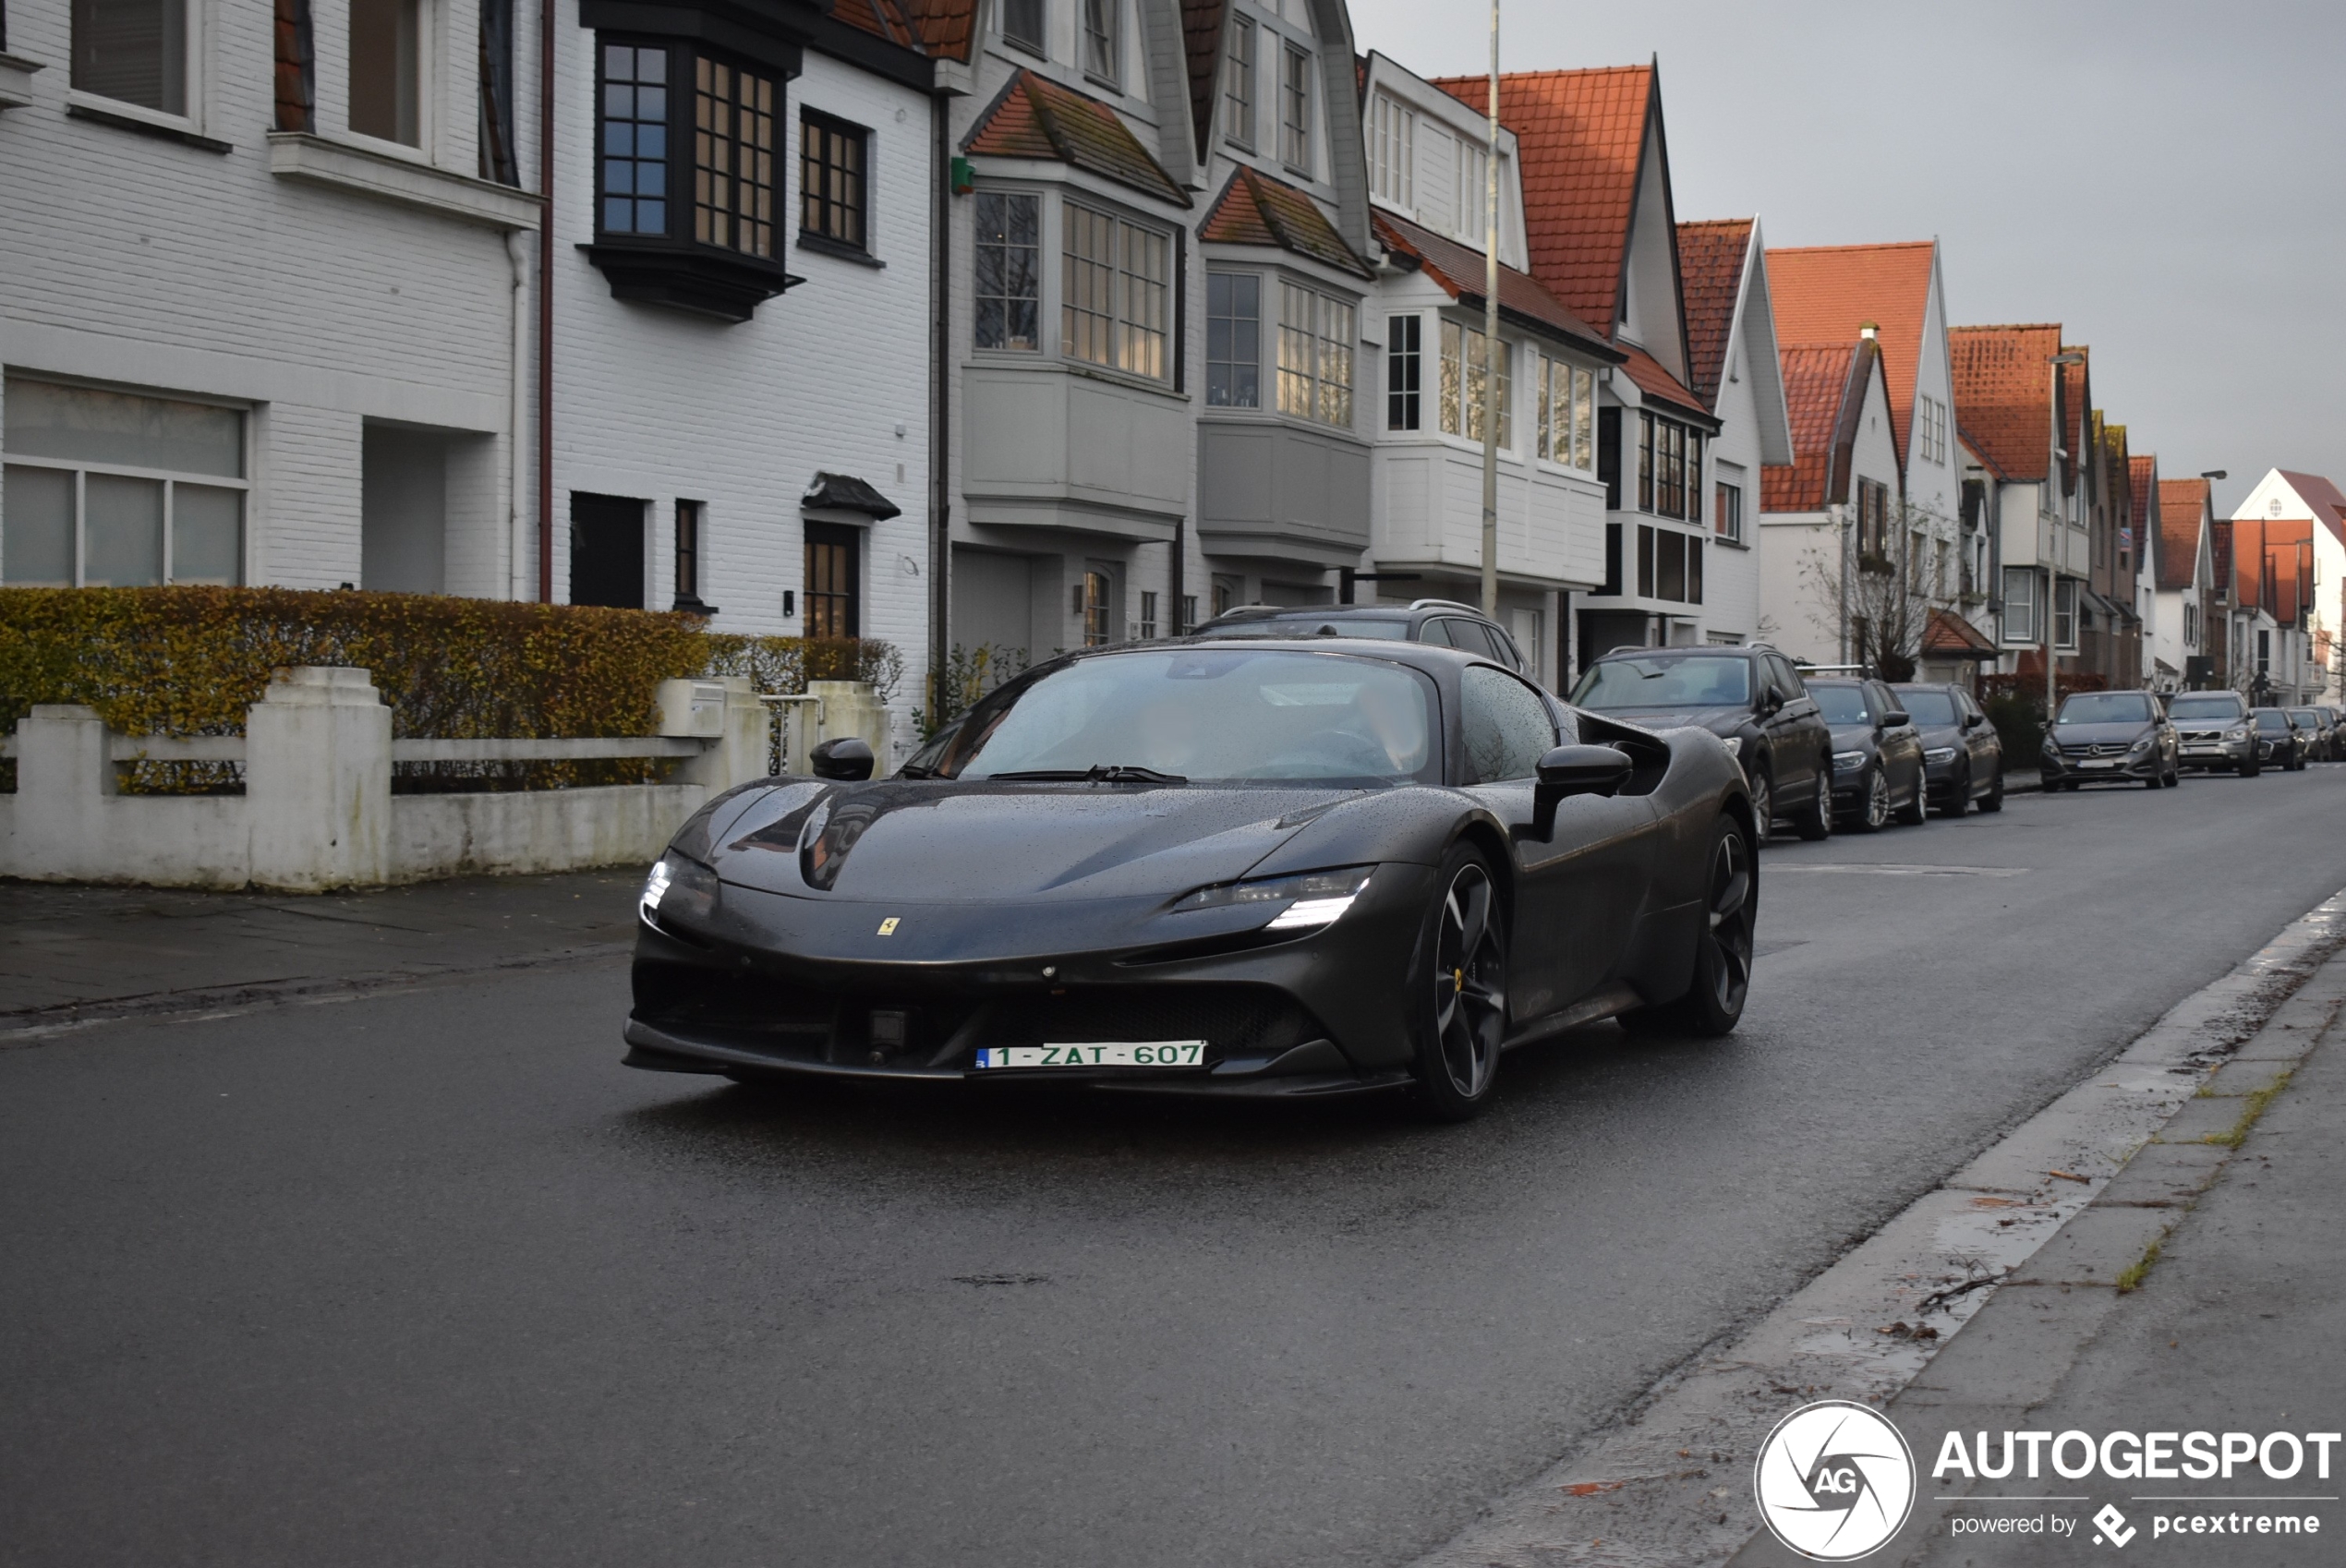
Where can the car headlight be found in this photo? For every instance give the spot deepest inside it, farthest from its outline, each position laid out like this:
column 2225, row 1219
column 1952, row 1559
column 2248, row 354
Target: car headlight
column 2240, row 734
column 1311, row 898
column 1940, row 754
column 681, row 889
column 2141, row 746
column 1844, row 761
column 2051, row 747
column 1734, row 744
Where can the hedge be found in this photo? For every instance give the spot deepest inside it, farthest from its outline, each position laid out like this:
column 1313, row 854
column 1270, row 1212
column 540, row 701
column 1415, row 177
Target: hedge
column 189, row 661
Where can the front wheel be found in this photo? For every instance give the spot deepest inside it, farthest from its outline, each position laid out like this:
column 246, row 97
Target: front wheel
column 1873, row 803
column 1713, row 1001
column 1917, row 812
column 1459, row 990
column 1763, row 802
column 1958, row 795
column 2174, row 776
column 2248, row 768
column 1993, row 801
column 1816, row 822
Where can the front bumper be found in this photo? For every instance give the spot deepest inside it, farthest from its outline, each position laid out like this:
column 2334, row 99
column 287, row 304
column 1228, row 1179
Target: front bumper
column 1320, row 1013
column 2091, row 770
column 2215, row 754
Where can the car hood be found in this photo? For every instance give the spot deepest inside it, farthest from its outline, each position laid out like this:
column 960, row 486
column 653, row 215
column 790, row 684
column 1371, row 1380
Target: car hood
column 2125, row 732
column 941, row 841
column 1852, row 737
column 1940, row 734
column 1718, row 721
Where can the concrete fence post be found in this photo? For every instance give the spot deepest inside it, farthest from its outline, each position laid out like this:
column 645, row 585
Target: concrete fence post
column 318, row 780
column 64, row 771
column 851, row 707
column 740, row 731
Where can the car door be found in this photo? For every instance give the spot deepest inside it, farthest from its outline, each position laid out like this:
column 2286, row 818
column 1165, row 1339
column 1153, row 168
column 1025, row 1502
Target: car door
column 1577, row 891
column 1798, row 739
column 1980, row 742
column 1900, row 744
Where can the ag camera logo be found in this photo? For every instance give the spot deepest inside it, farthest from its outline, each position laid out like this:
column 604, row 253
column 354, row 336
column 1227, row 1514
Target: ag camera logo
column 1834, row 1481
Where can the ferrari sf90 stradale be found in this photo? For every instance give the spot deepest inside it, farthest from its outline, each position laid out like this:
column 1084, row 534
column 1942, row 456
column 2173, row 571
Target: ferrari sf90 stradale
column 1274, row 867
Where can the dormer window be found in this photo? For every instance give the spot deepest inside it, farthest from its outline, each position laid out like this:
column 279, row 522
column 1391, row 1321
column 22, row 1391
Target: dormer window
column 1102, row 51
column 1238, row 84
column 1023, row 24
column 1295, row 108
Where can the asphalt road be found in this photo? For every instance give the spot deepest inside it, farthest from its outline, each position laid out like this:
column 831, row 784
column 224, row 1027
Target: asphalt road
column 429, row 1278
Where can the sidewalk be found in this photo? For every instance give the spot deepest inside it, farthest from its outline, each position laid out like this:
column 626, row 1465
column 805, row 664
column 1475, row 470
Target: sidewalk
column 71, row 952
column 2236, row 1323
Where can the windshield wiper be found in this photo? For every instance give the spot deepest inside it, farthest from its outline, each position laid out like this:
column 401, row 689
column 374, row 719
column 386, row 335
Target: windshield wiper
column 1100, row 772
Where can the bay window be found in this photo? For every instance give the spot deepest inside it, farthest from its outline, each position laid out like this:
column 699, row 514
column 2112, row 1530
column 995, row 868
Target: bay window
column 1008, row 293
column 1465, row 385
column 1115, row 309
column 1669, row 467
column 1233, row 340
column 1315, row 355
column 1404, row 371
column 1568, row 398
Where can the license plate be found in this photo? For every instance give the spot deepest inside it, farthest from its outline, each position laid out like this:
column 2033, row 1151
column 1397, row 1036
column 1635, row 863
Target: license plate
column 1097, row 1054
column 2099, row 762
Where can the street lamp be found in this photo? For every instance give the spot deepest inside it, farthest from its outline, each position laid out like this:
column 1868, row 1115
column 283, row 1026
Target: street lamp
column 2052, row 566
column 1490, row 342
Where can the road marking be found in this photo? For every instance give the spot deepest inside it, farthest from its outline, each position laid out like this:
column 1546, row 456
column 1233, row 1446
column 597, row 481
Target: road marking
column 1914, row 870
column 1710, row 1413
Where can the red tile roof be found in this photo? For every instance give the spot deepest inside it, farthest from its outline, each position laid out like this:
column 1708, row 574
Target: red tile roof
column 1947, row 633
column 1580, row 134
column 2003, row 393
column 1202, row 49
column 946, row 28
column 2142, row 472
column 1817, row 382
column 2075, row 398
column 2270, row 556
column 1824, row 293
column 2322, row 496
column 881, row 18
column 1254, row 209
column 1710, row 257
column 1036, row 117
column 1660, row 386
column 2182, row 504
column 1459, row 270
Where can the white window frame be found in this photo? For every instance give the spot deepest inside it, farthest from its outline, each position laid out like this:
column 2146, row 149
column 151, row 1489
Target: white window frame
column 197, row 81
column 2070, row 639
column 1327, row 338
column 1239, row 110
column 1297, row 151
column 1726, row 521
column 1393, row 152
column 1045, row 301
column 2020, row 609
column 429, row 30
column 1119, row 318
column 1456, row 419
column 1112, row 12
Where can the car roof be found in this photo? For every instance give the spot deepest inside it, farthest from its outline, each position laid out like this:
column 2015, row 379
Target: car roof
column 1424, row 655
column 1736, row 650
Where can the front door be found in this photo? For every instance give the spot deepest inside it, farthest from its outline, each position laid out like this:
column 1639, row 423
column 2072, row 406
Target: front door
column 607, row 551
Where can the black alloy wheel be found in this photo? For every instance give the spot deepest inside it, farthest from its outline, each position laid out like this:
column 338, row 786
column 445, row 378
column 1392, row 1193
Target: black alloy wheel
column 1721, row 983
column 1958, row 794
column 1873, row 802
column 1462, row 987
column 1817, row 821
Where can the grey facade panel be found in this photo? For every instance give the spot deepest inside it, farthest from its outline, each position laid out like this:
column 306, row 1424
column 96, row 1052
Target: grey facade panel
column 1270, row 487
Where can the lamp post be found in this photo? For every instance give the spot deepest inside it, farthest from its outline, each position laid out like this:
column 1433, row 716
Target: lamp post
column 1491, row 341
column 2052, row 556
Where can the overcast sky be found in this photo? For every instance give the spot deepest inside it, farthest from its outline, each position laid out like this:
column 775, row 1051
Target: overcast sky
column 2166, row 179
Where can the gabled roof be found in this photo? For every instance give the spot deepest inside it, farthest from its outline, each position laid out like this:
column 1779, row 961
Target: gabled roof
column 2075, row 394
column 2322, row 496
column 2142, row 475
column 946, row 28
column 1824, row 389
column 1659, row 386
column 1459, row 270
column 1711, row 260
column 1950, row 635
column 1581, row 135
column 2183, row 503
column 2003, row 395
column 881, row 18
column 1824, row 293
column 1202, row 25
column 1036, row 117
column 1254, row 209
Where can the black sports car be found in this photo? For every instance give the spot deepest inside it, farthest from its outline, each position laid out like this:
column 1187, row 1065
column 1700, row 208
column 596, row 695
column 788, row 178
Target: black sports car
column 1273, row 867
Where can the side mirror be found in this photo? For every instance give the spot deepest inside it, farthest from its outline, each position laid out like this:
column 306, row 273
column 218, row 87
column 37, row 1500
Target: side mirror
column 844, row 757
column 1974, row 721
column 1576, row 770
column 1897, row 717
column 1770, row 701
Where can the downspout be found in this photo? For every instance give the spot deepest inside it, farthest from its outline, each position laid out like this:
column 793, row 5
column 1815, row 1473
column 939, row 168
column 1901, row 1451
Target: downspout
column 517, row 396
column 940, row 538
column 546, row 301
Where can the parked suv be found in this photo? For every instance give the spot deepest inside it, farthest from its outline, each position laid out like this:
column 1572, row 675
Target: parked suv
column 1749, row 696
column 2111, row 738
column 2214, row 731
column 2279, row 741
column 1439, row 621
column 1876, row 754
column 1963, row 757
column 2321, row 733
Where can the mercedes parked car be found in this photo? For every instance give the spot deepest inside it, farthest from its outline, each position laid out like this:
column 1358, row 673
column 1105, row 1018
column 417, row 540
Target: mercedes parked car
column 1876, row 754
column 1291, row 868
column 1749, row 696
column 2279, row 743
column 2321, row 733
column 2214, row 731
column 1442, row 623
column 1963, row 757
column 2111, row 738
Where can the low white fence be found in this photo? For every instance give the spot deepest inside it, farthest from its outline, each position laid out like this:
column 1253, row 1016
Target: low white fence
column 318, row 812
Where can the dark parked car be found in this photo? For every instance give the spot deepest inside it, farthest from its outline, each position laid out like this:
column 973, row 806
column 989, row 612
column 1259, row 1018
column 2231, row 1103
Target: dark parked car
column 1963, row 757
column 1442, row 623
column 2111, row 738
column 1876, row 754
column 2214, row 731
column 1257, row 869
column 1748, row 696
column 2321, row 733
column 2279, row 743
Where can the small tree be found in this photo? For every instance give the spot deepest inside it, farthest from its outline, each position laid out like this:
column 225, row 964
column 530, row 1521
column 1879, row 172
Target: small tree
column 1879, row 613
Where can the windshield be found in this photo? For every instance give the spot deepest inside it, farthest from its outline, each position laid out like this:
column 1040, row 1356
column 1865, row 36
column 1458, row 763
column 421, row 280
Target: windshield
column 1928, row 707
column 2306, row 717
column 1840, row 705
column 1219, row 714
column 2271, row 718
column 2106, row 707
column 2214, row 706
column 1693, row 681
column 1311, row 626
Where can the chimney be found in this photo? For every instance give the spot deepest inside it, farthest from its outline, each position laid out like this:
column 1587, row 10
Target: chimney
column 1869, row 331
